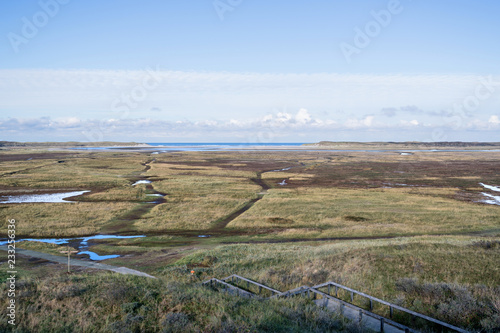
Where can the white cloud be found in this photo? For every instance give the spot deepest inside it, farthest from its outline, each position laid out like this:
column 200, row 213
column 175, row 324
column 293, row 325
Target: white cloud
column 494, row 120
column 303, row 116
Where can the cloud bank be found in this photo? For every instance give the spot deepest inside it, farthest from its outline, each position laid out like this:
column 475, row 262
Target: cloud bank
column 154, row 104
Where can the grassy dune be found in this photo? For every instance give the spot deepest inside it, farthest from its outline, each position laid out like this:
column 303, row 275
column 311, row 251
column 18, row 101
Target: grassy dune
column 431, row 275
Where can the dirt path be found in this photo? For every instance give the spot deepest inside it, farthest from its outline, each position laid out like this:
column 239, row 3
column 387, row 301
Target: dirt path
column 10, row 173
column 77, row 262
column 223, row 222
column 124, row 223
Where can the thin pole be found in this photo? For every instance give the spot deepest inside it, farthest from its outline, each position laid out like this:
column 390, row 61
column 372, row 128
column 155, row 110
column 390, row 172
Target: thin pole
column 69, row 270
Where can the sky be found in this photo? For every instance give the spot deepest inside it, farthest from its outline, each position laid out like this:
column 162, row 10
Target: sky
column 249, row 71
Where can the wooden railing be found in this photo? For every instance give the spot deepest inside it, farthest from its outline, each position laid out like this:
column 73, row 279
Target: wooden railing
column 326, row 296
column 391, row 306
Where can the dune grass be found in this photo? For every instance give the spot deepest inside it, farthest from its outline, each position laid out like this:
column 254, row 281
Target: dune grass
column 393, row 270
column 114, row 303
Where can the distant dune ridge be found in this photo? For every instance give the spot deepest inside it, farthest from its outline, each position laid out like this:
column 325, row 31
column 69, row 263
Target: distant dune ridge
column 69, row 144
column 409, row 144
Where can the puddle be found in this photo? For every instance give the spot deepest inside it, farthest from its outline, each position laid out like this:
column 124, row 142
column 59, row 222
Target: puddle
column 494, row 199
column 94, row 256
column 83, row 247
column 155, row 195
column 49, row 198
column 406, row 154
column 141, row 182
column 203, row 236
column 283, row 182
column 490, row 187
column 285, row 169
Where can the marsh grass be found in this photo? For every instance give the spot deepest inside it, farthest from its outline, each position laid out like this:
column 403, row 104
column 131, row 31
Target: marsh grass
column 61, row 219
column 102, row 170
column 195, row 202
column 127, row 192
column 43, row 247
column 366, row 212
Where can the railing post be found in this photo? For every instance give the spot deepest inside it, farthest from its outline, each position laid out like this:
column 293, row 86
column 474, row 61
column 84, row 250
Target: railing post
column 342, row 309
column 390, row 311
column 371, row 305
column 329, row 289
column 325, row 303
column 382, row 325
column 360, row 316
column 260, row 289
column 248, row 285
column 352, row 297
column 336, row 291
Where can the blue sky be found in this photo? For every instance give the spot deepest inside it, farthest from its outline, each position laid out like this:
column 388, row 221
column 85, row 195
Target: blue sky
column 240, row 70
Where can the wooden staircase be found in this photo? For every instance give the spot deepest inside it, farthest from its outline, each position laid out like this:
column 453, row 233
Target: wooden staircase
column 328, row 297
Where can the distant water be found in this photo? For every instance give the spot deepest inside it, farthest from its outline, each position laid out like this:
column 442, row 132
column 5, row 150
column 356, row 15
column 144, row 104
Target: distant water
column 52, row 197
column 203, row 146
column 164, row 147
column 83, row 247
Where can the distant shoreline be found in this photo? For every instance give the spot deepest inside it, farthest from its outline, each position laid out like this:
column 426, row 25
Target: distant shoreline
column 208, row 146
